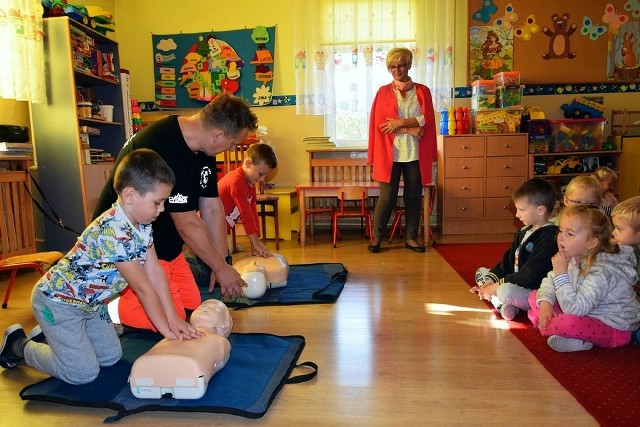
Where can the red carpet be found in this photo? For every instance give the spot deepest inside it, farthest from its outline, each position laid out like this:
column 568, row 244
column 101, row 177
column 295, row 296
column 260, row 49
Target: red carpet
column 605, row 381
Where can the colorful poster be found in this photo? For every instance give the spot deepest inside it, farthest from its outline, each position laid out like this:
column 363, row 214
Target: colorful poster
column 192, row 69
column 490, row 51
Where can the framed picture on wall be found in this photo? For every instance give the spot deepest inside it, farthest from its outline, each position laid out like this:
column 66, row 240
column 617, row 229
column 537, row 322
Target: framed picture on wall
column 623, row 54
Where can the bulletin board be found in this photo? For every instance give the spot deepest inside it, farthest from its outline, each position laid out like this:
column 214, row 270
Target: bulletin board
column 192, row 69
column 588, row 41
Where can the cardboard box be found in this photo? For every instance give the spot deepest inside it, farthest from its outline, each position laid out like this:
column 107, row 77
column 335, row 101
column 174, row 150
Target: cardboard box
column 577, row 134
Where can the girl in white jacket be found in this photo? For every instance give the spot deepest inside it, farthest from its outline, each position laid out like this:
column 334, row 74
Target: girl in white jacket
column 587, row 299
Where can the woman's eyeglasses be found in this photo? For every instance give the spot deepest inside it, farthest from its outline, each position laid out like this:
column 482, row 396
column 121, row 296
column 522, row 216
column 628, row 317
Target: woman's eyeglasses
column 397, row 67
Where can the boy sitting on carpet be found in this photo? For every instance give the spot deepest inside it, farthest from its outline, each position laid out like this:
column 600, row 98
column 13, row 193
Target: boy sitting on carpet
column 526, row 263
column 115, row 251
column 238, row 192
column 626, row 228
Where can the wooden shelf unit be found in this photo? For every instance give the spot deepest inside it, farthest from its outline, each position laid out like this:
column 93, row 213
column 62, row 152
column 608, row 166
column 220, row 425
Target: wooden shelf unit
column 72, row 187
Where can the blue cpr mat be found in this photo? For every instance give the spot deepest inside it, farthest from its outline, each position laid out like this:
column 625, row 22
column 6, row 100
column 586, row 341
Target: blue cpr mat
column 306, row 284
column 258, row 367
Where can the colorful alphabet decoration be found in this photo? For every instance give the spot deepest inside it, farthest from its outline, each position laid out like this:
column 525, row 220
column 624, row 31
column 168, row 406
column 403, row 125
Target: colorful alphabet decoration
column 192, row 69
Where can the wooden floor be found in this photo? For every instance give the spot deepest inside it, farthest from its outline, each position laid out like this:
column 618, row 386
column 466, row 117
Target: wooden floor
column 405, row 344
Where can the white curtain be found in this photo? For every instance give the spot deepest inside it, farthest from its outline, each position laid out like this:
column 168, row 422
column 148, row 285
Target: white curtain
column 340, row 48
column 21, row 44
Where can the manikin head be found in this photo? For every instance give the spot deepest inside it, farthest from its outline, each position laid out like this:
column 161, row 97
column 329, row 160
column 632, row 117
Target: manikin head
column 262, row 273
column 212, row 316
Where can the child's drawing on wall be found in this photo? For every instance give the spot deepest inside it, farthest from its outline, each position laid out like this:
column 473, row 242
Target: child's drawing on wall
column 491, row 51
column 624, row 52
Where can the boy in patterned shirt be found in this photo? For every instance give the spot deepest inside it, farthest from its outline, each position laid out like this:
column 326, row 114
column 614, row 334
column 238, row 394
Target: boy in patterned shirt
column 115, row 251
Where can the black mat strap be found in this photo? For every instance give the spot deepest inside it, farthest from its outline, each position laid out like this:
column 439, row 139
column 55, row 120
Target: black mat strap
column 303, row 378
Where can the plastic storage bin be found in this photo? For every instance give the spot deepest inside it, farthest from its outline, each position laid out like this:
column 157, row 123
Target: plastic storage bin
column 577, row 135
column 498, row 120
column 507, row 78
column 483, row 87
column 483, row 102
column 509, row 96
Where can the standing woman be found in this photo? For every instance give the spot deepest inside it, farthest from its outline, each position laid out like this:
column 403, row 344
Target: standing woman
column 402, row 141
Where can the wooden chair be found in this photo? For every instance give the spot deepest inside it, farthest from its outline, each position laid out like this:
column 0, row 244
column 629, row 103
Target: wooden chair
column 267, row 205
column 17, row 232
column 352, row 202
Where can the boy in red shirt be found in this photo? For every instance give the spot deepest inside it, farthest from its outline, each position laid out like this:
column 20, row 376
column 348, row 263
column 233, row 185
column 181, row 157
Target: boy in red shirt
column 237, row 191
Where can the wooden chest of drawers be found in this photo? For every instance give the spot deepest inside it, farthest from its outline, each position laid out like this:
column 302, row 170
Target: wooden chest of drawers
column 476, row 176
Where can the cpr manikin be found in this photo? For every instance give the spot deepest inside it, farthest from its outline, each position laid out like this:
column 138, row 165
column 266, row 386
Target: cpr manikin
column 182, row 369
column 262, row 273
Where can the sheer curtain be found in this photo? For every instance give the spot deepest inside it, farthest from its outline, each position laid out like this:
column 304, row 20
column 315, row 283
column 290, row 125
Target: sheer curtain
column 340, row 49
column 21, row 43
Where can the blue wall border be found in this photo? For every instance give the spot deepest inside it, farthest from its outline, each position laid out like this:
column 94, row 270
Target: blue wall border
column 565, row 89
column 465, row 92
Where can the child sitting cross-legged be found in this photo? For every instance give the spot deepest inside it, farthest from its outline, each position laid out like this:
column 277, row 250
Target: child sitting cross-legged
column 626, row 227
column 607, row 178
column 508, row 284
column 587, row 299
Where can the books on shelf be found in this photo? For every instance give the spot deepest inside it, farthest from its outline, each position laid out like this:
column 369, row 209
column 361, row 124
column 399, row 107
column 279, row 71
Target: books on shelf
column 319, row 141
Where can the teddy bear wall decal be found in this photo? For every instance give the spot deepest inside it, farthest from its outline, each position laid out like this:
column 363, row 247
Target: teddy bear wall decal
column 559, row 45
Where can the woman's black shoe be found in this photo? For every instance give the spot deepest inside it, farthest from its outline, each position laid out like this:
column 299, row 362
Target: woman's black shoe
column 374, row 249
column 419, row 249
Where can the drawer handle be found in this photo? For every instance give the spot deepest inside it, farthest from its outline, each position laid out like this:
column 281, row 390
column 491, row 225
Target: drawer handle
column 506, row 187
column 507, row 146
column 464, row 208
column 507, row 166
column 465, row 147
column 506, row 208
column 465, row 187
column 465, row 168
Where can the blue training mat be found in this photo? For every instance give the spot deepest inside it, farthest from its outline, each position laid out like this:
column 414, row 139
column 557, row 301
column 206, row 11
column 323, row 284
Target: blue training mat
column 258, row 367
column 306, row 284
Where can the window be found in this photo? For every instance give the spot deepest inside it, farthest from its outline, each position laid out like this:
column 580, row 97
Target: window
column 341, row 50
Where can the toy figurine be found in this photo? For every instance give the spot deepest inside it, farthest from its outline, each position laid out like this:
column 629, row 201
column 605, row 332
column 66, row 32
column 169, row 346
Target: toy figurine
column 452, row 122
column 444, row 122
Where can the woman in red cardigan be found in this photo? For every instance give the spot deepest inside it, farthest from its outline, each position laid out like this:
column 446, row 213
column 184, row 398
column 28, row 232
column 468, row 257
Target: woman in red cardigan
column 402, row 142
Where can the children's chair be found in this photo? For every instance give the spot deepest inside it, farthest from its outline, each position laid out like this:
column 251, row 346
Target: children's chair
column 17, row 233
column 352, row 202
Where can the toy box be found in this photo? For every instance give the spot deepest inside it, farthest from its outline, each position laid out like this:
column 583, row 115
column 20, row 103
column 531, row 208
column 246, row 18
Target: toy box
column 577, row 135
column 539, row 144
column 509, row 96
column 483, row 87
column 498, row 120
column 482, row 102
column 507, row 78
column 539, row 127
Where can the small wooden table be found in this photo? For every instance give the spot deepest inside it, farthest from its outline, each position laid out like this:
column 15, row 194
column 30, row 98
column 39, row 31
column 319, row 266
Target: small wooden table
column 310, row 190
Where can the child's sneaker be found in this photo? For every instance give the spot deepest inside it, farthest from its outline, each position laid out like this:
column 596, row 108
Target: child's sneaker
column 508, row 311
column 12, row 351
column 481, row 274
column 565, row 345
column 36, row 335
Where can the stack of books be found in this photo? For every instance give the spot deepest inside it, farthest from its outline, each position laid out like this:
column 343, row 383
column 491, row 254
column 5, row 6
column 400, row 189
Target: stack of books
column 319, row 141
column 16, row 149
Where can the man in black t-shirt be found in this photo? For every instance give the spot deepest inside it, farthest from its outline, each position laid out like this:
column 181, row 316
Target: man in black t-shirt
column 194, row 214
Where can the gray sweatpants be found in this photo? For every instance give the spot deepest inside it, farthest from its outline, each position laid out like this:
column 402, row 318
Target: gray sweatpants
column 78, row 342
